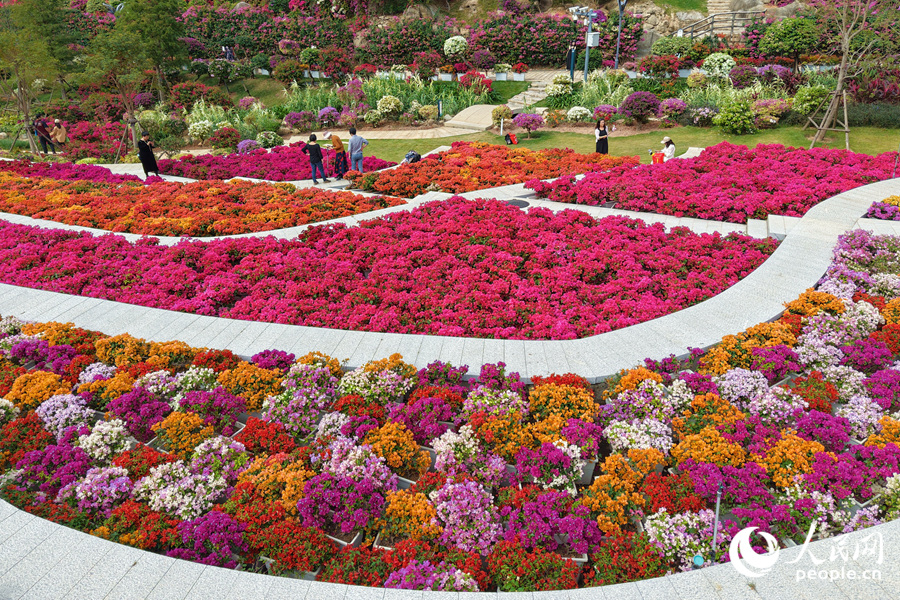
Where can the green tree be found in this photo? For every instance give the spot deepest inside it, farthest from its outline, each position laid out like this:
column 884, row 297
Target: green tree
column 46, row 19
column 790, row 37
column 154, row 27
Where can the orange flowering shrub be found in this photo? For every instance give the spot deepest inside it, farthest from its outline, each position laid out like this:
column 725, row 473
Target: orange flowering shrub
column 812, row 302
column 122, row 350
column 280, row 478
column 613, row 497
column 705, row 411
column 180, row 433
column 734, row 351
column 790, row 457
column 504, row 436
column 252, row 383
column 709, row 446
column 891, row 312
column 30, row 389
column 319, row 359
column 409, row 515
column 201, row 208
column 888, row 434
column 629, row 380
column 634, row 465
column 107, row 390
column 566, row 401
column 548, row 430
column 397, row 446
column 55, row 333
column 392, row 363
column 171, row 355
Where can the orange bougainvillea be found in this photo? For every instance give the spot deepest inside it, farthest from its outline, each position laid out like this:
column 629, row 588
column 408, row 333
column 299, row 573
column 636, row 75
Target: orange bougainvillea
column 106, row 390
column 789, row 457
column 30, row 389
column 122, row 350
column 55, row 333
column 280, row 478
column 203, row 208
column 629, row 380
column 409, row 515
column 180, row 433
column 319, row 359
column 891, row 312
column 396, row 445
column 613, row 497
column 252, row 383
column 735, row 351
column 709, row 446
column 566, row 401
column 889, row 433
column 470, row 166
column 548, row 430
column 812, row 302
column 392, row 363
column 504, row 436
column 171, row 355
column 708, row 410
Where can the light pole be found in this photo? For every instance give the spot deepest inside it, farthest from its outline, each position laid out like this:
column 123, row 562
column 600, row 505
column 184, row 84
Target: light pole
column 622, row 4
column 588, row 15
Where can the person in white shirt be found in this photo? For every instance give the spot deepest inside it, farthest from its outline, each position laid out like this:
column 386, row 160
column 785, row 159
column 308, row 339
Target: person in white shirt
column 668, row 149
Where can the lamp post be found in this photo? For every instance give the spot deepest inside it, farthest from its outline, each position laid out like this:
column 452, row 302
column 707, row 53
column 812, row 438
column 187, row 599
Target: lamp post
column 622, row 4
column 588, row 15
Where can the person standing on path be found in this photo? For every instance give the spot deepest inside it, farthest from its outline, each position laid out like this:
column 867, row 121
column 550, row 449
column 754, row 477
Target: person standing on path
column 340, row 155
column 145, row 154
column 601, row 138
column 58, row 134
column 40, row 129
column 668, row 149
column 314, row 151
column 357, row 143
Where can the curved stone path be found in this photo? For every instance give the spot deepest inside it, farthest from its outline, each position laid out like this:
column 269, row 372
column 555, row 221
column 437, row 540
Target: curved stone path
column 796, row 265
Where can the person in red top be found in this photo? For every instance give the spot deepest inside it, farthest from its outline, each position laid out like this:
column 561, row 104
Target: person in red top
column 43, row 134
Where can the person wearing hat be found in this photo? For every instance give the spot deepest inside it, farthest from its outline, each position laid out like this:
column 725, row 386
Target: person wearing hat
column 340, row 155
column 668, row 149
column 145, row 153
column 58, row 133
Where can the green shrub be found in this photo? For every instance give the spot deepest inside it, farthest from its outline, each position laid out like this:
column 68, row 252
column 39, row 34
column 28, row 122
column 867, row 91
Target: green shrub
column 429, row 112
column 373, row 117
column 808, row 98
column 502, row 111
column 873, row 115
column 736, row 118
column 671, row 45
column 289, row 71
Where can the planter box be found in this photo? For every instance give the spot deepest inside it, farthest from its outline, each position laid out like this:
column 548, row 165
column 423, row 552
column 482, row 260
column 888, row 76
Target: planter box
column 315, row 74
column 563, row 539
column 518, row 76
column 404, row 484
column 433, row 78
column 380, row 543
column 459, row 76
column 587, row 472
column 306, row 73
column 446, row 76
column 238, row 427
column 244, row 417
column 353, row 542
column 268, row 563
column 500, row 76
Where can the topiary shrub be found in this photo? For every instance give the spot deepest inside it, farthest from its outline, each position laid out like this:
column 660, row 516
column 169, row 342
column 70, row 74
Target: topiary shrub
column 671, row 45
column 288, row 71
column 389, row 105
column 226, row 138
column 269, row 139
column 578, row 114
column 640, row 106
column 743, row 76
column 501, row 112
column 429, row 112
column 696, row 79
column 718, row 64
column 736, row 118
column 528, row 122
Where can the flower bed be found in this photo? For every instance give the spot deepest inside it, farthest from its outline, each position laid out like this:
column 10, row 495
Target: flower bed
column 64, row 171
column 282, row 163
column 456, row 267
column 326, row 456
column 471, row 166
column 727, row 182
column 886, row 210
column 204, row 208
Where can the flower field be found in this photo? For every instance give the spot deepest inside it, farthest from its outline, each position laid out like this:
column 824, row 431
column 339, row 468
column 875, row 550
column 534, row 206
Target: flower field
column 726, row 182
column 471, row 166
column 282, row 163
column 274, row 464
column 203, row 208
column 64, row 171
column 456, row 267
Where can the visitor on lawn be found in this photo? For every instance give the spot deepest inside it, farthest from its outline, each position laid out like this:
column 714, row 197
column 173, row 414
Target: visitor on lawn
column 668, row 149
column 315, row 158
column 357, row 143
column 58, row 134
column 601, row 137
column 340, row 156
column 43, row 135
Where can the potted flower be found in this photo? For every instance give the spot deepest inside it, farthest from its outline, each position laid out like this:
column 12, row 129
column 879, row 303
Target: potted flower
column 446, row 73
column 460, row 69
column 396, row 445
column 311, row 57
column 342, row 507
column 556, row 465
column 398, row 71
column 409, row 515
column 501, row 71
column 288, row 548
column 519, row 70
column 365, row 69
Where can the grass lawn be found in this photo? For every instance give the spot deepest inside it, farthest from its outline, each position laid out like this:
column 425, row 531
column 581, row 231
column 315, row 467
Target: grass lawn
column 682, row 5
column 507, row 89
column 868, row 140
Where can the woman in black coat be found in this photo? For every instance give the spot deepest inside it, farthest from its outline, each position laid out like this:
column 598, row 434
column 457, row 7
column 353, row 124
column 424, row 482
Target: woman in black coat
column 145, row 153
column 601, row 136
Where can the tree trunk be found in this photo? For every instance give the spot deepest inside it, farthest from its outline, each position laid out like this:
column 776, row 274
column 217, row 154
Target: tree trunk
column 161, row 82
column 831, row 112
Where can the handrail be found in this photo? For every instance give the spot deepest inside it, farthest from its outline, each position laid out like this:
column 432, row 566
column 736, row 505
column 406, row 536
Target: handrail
column 732, row 22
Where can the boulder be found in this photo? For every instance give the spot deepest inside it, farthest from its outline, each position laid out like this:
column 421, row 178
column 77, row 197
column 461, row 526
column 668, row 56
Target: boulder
column 745, row 5
column 783, row 12
column 417, row 12
column 691, row 16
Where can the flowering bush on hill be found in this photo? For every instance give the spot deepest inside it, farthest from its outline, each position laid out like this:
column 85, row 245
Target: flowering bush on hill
column 203, row 208
column 470, row 166
column 727, row 182
column 410, row 272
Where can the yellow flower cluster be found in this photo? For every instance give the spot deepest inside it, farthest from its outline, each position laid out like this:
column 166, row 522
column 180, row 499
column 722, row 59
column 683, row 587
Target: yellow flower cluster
column 709, row 446
column 280, row 478
column 30, row 389
column 109, row 389
column 893, row 200
column 410, row 516
column 252, row 383
column 790, row 457
column 122, row 350
column 172, row 355
column 396, row 445
column 629, row 380
column 889, row 434
column 180, row 433
column 504, row 436
column 392, row 363
column 317, row 359
column 891, row 312
column 547, row 431
column 812, row 302
column 566, row 401
column 707, row 410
